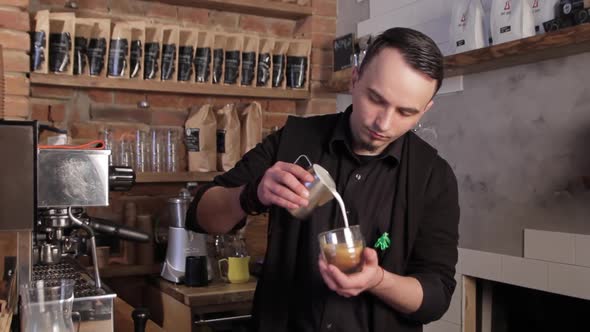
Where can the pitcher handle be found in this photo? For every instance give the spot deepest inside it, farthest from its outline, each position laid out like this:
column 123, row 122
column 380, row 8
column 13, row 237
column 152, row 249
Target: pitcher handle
column 309, row 164
column 221, row 274
column 78, row 318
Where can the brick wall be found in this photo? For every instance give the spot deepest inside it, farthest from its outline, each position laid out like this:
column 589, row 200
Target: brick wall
column 85, row 112
column 14, row 24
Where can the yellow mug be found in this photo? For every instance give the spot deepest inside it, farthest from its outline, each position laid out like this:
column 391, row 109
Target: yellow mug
column 236, row 269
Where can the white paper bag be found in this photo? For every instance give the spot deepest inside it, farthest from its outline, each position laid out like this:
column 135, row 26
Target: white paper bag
column 511, row 20
column 543, row 11
column 467, row 26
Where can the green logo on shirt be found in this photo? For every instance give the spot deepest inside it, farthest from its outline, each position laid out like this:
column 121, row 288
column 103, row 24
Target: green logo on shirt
column 383, row 242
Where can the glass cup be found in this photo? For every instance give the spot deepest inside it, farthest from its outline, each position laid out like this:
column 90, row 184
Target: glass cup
column 343, row 248
column 47, row 305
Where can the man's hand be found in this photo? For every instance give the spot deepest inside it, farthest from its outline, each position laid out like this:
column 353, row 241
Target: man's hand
column 282, row 185
column 355, row 283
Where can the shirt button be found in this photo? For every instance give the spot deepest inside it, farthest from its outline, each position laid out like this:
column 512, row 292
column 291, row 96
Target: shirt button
column 329, row 326
column 358, row 176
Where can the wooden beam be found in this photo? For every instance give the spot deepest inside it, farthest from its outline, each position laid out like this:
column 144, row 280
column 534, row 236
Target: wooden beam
column 565, row 42
column 251, row 7
column 150, row 177
column 167, row 87
column 469, row 305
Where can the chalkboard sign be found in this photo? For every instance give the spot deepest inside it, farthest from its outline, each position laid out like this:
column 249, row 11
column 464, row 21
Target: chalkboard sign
column 343, row 51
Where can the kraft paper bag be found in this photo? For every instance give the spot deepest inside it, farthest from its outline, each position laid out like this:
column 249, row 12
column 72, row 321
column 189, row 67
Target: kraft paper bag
column 251, row 127
column 201, row 139
column 228, row 137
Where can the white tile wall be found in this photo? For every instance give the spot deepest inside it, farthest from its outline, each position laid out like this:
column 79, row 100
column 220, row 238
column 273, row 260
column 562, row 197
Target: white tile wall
column 569, row 280
column 480, row 264
column 582, row 250
column 524, row 272
column 549, row 246
column 442, row 326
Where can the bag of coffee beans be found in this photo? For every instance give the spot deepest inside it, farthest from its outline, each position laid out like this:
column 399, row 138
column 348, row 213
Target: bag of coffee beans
column 233, row 55
column 543, row 11
column 467, row 26
column 136, row 50
column 201, row 139
column 511, row 20
column 186, row 51
column 83, row 29
column 219, row 44
column 279, row 62
column 169, row 58
column 249, row 60
column 118, row 62
column 62, row 27
column 228, row 137
column 251, row 126
column 39, row 42
column 298, row 64
column 151, row 54
column 265, row 49
column 98, row 47
column 203, row 54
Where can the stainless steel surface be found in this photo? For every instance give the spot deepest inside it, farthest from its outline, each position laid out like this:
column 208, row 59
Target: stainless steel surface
column 73, row 178
column 92, row 246
column 49, row 253
column 177, row 206
column 94, row 305
column 17, row 178
column 222, row 319
column 320, row 191
column 24, row 249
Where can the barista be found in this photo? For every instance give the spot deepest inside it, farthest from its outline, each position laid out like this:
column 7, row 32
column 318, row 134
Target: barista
column 391, row 182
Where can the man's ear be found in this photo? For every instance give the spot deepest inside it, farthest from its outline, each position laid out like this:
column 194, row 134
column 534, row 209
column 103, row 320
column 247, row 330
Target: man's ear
column 354, row 77
column 428, row 106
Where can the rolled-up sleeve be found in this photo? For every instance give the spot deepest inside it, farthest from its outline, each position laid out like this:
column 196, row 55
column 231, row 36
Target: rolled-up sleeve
column 434, row 254
column 249, row 169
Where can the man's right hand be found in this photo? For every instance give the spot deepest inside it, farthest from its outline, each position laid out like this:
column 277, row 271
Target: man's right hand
column 282, row 185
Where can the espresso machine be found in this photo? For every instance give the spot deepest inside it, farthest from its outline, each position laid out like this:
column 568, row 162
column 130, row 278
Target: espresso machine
column 51, row 187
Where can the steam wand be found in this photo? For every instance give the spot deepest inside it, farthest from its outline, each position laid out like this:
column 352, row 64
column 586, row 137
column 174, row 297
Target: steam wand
column 92, row 245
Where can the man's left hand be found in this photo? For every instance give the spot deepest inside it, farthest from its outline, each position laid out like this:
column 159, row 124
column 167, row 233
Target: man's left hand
column 348, row 285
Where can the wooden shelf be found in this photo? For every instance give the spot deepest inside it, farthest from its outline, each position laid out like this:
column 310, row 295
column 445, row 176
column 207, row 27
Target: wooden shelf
column 551, row 45
column 175, row 177
column 251, row 7
column 169, row 87
column 121, row 270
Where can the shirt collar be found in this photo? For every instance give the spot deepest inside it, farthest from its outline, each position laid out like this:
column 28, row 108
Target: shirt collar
column 342, row 137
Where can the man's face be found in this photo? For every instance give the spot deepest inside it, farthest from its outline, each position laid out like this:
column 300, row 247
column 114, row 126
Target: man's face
column 388, row 99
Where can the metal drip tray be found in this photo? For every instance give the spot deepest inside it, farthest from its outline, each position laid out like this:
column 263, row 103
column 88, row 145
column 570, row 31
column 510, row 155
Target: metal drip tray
column 94, row 305
column 83, row 286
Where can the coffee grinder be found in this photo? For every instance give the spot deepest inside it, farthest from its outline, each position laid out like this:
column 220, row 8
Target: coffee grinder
column 182, row 242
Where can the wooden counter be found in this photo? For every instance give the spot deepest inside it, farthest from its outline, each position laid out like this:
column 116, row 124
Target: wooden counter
column 217, row 293
column 178, row 307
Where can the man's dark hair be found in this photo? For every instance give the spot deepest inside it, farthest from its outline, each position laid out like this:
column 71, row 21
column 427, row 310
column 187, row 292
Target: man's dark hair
column 419, row 51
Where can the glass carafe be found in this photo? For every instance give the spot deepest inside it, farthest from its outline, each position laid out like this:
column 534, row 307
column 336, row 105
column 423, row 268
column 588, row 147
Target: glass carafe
column 47, row 306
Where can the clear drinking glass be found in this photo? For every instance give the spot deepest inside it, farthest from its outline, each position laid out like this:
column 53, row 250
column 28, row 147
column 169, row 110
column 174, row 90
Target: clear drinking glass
column 156, row 150
column 343, row 248
column 47, row 305
column 171, row 150
column 141, row 151
column 107, row 137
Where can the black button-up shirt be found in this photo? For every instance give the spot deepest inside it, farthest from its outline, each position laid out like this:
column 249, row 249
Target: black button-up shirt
column 367, row 186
